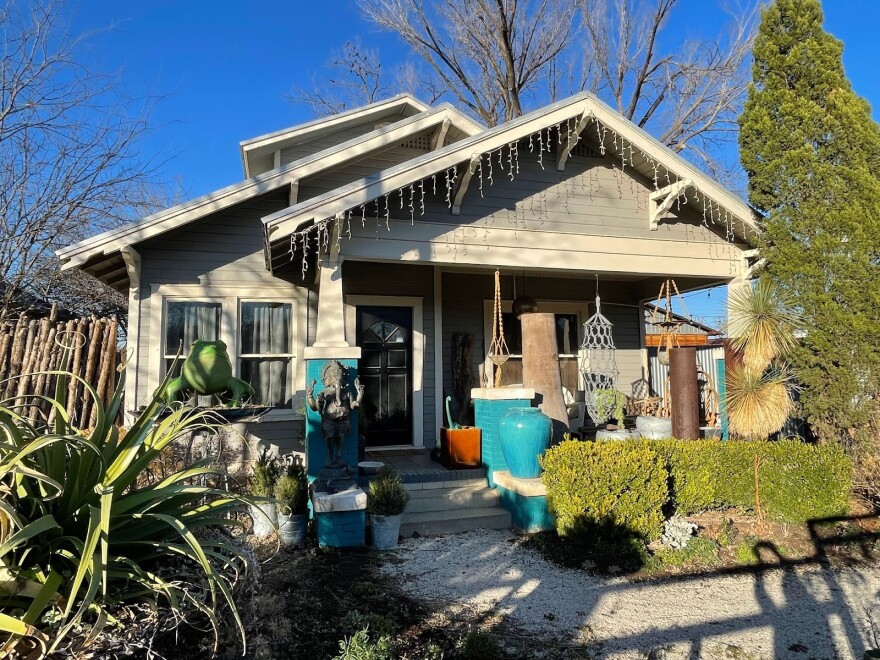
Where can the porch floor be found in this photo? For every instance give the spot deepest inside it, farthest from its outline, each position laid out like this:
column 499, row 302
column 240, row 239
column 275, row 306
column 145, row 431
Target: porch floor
column 415, row 466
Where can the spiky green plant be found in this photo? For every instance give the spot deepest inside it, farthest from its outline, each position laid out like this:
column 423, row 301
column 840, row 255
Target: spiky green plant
column 762, row 324
column 758, row 402
column 292, row 491
column 81, row 533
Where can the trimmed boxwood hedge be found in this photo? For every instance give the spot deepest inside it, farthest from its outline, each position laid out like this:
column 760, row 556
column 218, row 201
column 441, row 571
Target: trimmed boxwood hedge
column 628, row 482
column 613, row 484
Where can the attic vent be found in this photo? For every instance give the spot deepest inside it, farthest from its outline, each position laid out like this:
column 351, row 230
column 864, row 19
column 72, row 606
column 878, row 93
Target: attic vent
column 585, row 150
column 420, row 142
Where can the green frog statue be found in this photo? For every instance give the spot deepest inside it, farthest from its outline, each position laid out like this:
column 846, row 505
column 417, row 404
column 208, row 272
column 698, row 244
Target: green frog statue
column 207, row 370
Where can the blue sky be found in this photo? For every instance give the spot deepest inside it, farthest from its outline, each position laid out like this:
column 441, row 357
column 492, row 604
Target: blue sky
column 221, row 69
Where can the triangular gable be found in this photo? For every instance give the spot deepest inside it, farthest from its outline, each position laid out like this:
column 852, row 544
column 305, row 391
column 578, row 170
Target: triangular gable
column 101, row 252
column 672, row 176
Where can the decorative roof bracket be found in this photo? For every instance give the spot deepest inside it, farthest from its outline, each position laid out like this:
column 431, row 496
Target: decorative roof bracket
column 660, row 201
column 464, row 182
column 564, row 152
column 440, row 135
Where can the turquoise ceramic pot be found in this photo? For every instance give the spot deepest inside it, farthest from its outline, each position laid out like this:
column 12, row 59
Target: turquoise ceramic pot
column 524, row 434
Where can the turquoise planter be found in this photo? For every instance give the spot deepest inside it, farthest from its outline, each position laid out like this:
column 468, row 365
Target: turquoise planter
column 524, row 434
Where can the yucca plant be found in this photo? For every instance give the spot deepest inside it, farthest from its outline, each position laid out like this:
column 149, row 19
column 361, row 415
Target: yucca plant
column 758, row 403
column 80, row 533
column 762, row 324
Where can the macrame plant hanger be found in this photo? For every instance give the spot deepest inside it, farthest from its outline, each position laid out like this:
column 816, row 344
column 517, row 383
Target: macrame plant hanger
column 498, row 352
column 669, row 325
column 599, row 367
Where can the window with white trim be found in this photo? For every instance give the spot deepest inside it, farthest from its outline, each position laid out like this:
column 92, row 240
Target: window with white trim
column 259, row 336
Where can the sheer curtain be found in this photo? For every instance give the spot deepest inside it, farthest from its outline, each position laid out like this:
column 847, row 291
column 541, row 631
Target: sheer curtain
column 266, row 332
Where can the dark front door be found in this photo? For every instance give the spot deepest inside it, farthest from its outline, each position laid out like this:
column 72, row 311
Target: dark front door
column 385, row 337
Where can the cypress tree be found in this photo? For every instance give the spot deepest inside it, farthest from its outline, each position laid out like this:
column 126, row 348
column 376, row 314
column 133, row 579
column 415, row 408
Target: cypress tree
column 812, row 155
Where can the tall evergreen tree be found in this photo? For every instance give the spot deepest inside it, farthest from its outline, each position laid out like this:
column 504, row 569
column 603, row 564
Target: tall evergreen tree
column 812, row 154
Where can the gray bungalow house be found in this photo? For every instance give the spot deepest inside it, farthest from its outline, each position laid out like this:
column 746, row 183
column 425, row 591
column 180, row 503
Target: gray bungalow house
column 374, row 235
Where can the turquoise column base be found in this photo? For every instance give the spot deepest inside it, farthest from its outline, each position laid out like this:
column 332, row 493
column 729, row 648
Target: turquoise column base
column 341, row 529
column 526, row 499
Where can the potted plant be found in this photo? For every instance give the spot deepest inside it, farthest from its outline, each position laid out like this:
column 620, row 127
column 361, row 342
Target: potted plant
column 263, row 511
column 459, row 445
column 386, row 503
column 292, row 493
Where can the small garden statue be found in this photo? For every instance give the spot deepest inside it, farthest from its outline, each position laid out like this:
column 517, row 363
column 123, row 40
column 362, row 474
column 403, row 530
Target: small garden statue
column 207, row 370
column 334, row 404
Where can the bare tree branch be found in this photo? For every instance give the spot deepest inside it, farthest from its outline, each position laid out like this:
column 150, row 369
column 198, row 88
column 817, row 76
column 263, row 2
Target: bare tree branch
column 69, row 160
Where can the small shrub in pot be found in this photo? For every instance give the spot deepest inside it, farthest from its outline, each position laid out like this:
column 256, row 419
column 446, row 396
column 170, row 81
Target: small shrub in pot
column 263, row 511
column 386, row 503
column 292, row 495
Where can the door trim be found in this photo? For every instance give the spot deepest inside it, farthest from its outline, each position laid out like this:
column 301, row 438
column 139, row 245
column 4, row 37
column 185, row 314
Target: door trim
column 418, row 352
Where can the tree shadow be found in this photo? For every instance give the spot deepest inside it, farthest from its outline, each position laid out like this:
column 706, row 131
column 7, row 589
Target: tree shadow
column 778, row 607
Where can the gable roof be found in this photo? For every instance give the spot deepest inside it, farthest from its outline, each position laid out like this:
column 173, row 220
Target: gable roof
column 585, row 105
column 388, row 110
column 110, row 243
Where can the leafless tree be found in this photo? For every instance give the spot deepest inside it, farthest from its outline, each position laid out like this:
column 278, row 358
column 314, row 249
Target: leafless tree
column 688, row 94
column 69, row 158
column 490, row 55
column 499, row 58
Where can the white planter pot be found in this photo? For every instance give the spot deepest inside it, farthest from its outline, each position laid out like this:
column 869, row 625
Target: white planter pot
column 654, row 428
column 386, row 530
column 265, row 518
column 292, row 528
column 620, row 434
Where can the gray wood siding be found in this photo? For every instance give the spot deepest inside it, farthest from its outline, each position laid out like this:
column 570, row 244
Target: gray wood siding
column 369, row 279
column 592, row 210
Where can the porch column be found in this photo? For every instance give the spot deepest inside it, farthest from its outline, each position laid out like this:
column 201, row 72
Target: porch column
column 331, row 311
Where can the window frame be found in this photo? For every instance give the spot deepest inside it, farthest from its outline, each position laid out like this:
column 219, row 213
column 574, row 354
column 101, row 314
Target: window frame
column 230, row 299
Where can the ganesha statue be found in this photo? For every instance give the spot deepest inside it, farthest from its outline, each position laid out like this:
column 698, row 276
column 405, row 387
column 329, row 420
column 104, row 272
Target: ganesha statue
column 334, row 404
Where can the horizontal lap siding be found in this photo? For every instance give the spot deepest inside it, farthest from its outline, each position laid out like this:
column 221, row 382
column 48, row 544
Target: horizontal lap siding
column 370, row 279
column 222, row 249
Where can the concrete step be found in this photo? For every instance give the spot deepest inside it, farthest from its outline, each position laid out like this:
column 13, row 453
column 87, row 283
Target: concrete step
column 446, row 499
column 452, row 521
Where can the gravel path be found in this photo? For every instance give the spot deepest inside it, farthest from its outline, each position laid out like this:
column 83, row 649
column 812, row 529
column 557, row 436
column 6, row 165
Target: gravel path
column 812, row 612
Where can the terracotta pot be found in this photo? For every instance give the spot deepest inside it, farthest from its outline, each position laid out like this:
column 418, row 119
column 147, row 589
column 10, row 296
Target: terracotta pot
column 460, row 448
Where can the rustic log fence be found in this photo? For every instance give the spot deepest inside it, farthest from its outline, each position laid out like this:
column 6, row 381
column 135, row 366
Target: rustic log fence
column 30, row 347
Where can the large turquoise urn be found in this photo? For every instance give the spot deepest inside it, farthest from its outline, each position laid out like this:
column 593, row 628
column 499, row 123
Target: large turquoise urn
column 524, row 434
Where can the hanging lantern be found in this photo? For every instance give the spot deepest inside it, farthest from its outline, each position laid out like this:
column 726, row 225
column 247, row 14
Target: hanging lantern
column 599, row 366
column 522, row 304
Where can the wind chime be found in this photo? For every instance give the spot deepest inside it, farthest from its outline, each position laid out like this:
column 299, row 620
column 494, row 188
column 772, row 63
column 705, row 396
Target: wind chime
column 669, row 325
column 498, row 353
column 599, row 365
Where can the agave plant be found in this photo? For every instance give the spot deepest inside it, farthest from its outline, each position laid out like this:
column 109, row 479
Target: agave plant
column 80, row 533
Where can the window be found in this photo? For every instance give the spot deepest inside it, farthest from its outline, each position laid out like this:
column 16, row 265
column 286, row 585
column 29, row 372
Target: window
column 184, row 323
column 566, row 334
column 259, row 336
column 265, row 350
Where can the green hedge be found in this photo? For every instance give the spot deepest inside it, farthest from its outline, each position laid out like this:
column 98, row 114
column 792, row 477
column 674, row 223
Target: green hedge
column 616, row 484
column 628, row 482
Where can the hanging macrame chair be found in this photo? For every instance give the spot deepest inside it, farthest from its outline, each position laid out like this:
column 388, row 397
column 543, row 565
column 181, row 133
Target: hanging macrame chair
column 498, row 353
column 599, row 366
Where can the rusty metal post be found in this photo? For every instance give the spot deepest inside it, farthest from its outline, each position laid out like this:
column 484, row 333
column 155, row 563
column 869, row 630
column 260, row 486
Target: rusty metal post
column 685, row 393
column 541, row 368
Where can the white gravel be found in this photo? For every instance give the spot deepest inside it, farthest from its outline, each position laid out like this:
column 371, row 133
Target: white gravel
column 812, row 612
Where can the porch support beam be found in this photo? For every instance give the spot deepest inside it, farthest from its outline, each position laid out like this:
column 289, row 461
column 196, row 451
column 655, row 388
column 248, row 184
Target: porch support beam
column 293, row 195
column 564, row 152
column 464, row 182
column 660, row 201
column 440, row 135
column 330, row 333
